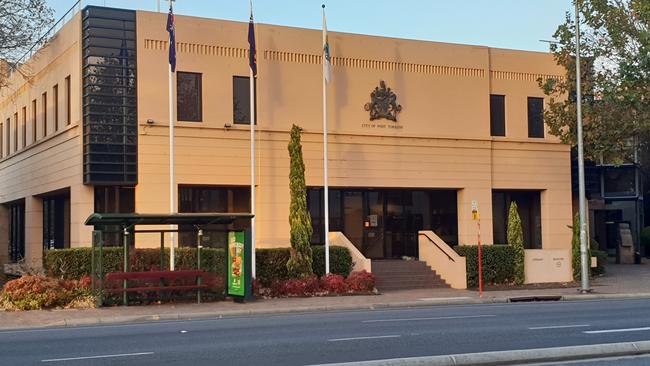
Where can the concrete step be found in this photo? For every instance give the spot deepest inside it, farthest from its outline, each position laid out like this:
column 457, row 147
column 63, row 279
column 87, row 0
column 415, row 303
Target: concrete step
column 398, row 275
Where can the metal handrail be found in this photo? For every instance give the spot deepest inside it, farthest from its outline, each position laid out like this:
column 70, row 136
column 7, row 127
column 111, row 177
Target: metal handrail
column 438, row 246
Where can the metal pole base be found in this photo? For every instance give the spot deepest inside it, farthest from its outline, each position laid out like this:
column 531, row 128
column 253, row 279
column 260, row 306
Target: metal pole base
column 585, row 291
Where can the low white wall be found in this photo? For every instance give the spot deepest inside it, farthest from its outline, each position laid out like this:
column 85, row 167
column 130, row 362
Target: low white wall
column 360, row 261
column 443, row 259
column 548, row 265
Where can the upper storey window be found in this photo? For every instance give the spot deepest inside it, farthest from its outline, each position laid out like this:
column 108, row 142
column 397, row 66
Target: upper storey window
column 241, row 100
column 188, row 97
column 535, row 117
column 497, row 115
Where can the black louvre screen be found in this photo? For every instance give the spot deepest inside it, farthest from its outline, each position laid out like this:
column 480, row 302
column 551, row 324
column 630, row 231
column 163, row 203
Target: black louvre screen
column 110, row 123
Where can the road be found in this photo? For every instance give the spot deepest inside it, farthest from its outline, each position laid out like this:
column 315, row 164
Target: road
column 305, row 339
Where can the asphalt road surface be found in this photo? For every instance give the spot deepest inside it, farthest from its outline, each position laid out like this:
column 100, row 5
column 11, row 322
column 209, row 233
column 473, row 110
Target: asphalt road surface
column 306, row 339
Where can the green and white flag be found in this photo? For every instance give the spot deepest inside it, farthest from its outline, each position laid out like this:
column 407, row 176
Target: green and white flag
column 327, row 62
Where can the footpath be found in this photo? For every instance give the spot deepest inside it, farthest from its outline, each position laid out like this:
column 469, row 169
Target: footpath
column 620, row 282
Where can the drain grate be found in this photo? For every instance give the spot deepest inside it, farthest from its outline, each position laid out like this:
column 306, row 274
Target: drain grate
column 535, row 298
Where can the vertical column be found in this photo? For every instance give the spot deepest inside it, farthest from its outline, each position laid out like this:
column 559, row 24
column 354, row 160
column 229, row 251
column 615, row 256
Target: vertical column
column 82, row 205
column 33, row 232
column 4, row 236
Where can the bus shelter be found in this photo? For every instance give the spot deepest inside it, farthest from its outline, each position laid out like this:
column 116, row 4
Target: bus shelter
column 238, row 251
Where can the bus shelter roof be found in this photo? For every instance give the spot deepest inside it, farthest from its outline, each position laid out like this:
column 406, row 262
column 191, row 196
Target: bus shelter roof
column 131, row 219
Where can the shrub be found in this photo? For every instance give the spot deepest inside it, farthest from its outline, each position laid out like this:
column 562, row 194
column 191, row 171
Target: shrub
column 340, row 260
column 271, row 266
column 333, row 284
column 38, row 292
column 498, row 264
column 299, row 264
column 76, row 263
column 576, row 260
column 362, row 282
column 516, row 241
column 299, row 287
column 271, row 263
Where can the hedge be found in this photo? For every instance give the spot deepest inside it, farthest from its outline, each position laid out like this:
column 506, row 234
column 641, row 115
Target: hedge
column 498, row 264
column 271, row 263
column 75, row 263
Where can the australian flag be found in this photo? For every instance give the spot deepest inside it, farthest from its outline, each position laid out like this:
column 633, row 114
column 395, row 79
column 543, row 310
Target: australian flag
column 252, row 56
column 172, row 39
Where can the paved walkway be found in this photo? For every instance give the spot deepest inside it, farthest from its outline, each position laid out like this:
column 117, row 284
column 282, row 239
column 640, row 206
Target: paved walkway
column 621, row 281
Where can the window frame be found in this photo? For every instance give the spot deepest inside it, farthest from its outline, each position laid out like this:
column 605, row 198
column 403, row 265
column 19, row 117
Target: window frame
column 24, row 126
column 247, row 78
column 494, row 131
column 531, row 132
column 44, row 104
column 15, row 131
column 68, row 101
column 34, row 121
column 55, row 102
column 199, row 89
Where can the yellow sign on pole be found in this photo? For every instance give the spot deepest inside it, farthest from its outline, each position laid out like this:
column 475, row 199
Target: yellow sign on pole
column 475, row 214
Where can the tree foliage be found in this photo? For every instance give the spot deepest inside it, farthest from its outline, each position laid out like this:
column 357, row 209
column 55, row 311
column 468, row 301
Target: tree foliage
column 615, row 73
column 22, row 22
column 300, row 263
column 516, row 240
column 576, row 260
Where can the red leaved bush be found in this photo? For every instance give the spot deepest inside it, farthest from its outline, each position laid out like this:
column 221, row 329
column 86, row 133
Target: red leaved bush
column 361, row 282
column 333, row 284
column 38, row 292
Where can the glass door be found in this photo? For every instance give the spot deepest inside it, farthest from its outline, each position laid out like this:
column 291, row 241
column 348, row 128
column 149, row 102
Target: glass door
column 373, row 225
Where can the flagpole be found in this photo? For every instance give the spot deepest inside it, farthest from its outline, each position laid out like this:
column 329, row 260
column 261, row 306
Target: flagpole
column 172, row 201
column 252, row 130
column 325, row 173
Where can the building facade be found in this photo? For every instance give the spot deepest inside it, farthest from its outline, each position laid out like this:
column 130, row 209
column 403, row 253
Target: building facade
column 87, row 131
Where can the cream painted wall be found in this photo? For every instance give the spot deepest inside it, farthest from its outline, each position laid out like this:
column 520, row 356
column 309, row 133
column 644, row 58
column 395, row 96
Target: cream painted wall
column 442, row 139
column 53, row 161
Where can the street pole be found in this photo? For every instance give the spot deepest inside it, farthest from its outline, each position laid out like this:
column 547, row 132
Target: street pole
column 584, row 283
column 172, row 185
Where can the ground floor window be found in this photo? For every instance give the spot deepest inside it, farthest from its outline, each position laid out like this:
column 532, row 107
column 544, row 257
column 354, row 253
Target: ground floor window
column 113, row 199
column 56, row 221
column 212, row 199
column 384, row 223
column 529, row 206
column 16, row 231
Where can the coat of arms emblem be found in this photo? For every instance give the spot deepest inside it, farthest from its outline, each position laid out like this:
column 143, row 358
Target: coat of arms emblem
column 383, row 103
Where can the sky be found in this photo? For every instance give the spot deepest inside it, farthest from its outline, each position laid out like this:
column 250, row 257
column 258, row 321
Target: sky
column 513, row 24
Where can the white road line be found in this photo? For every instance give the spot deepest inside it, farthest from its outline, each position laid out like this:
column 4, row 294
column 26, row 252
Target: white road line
column 434, row 318
column 101, row 356
column 360, row 338
column 561, row 326
column 616, row 330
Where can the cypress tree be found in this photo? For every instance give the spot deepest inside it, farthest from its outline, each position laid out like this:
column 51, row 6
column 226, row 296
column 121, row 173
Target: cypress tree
column 299, row 265
column 576, row 261
column 516, row 239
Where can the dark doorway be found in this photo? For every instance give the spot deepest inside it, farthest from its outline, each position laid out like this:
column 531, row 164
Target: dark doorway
column 384, row 223
column 56, row 221
column 16, row 231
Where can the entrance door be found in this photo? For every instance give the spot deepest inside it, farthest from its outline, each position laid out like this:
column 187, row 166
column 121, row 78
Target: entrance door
column 373, row 226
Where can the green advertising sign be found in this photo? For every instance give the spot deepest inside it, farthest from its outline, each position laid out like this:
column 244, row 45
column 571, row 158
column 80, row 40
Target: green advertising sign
column 236, row 283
